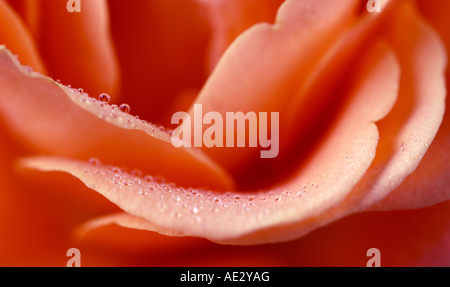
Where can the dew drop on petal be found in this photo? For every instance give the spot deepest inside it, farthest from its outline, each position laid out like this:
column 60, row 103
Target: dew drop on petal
column 94, row 161
column 104, row 98
column 29, row 69
column 136, row 172
column 125, row 108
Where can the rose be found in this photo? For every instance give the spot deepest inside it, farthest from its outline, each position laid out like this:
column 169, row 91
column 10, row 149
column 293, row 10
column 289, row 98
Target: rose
column 397, row 82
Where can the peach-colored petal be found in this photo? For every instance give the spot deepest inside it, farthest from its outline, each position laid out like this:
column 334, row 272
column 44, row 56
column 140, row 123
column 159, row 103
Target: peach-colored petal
column 430, row 183
column 16, row 36
column 262, row 70
column 436, row 12
column 77, row 47
column 407, row 132
column 22, row 222
column 30, row 12
column 161, row 52
column 263, row 216
column 55, row 119
column 125, row 220
column 230, row 18
column 418, row 237
column 413, row 122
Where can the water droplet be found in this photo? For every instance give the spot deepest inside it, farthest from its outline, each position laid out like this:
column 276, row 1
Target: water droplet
column 195, row 210
column 94, row 161
column 116, row 169
column 29, row 69
column 105, row 98
column 125, row 108
column 136, row 172
column 159, row 179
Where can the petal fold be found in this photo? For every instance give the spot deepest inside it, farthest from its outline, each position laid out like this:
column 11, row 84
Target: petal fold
column 54, row 119
column 18, row 38
column 273, row 215
column 77, row 47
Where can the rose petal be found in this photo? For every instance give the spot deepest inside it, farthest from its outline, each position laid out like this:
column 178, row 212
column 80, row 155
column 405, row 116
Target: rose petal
column 436, row 12
column 55, row 119
column 161, row 52
column 415, row 238
column 29, row 12
column 125, row 220
column 15, row 35
column 413, row 122
column 412, row 125
column 262, row 70
column 405, row 238
column 22, row 219
column 77, row 47
column 429, row 184
column 271, row 215
column 230, row 18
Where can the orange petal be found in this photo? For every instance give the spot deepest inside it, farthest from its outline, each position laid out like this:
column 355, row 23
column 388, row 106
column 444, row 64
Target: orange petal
column 30, row 12
column 16, row 36
column 264, row 67
column 22, row 221
column 405, row 238
column 77, row 47
column 58, row 120
column 161, row 52
column 263, row 216
column 230, row 18
column 436, row 12
column 407, row 132
column 429, row 184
